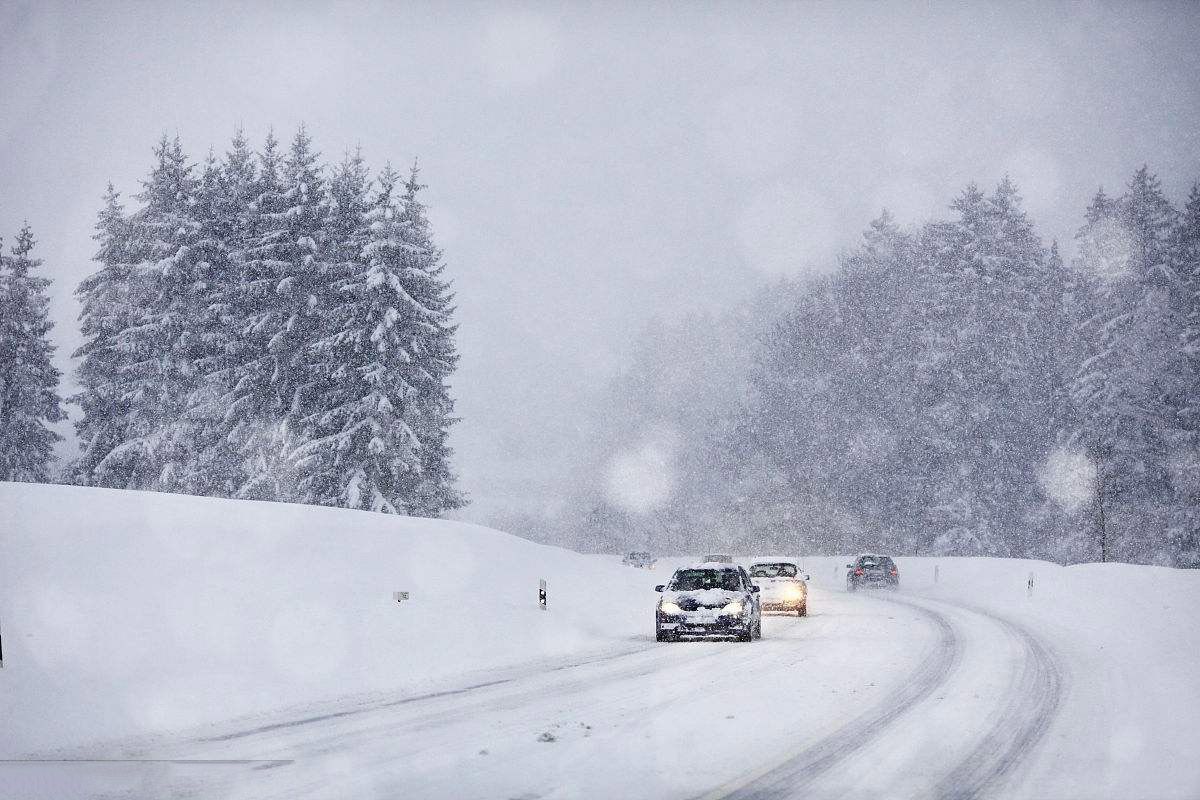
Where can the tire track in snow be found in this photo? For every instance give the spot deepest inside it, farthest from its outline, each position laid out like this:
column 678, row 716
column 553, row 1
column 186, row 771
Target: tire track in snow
column 378, row 705
column 794, row 773
column 1033, row 700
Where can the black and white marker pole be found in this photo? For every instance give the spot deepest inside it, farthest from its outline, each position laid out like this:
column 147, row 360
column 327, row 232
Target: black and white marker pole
column 542, row 594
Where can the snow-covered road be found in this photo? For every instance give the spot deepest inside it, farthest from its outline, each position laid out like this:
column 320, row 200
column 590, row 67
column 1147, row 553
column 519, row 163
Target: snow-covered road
column 873, row 692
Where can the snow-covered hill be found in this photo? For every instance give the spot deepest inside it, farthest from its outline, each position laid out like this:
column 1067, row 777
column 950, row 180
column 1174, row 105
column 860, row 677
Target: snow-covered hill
column 132, row 612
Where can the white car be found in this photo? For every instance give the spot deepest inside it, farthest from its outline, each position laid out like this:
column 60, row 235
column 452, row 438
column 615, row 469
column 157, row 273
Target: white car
column 782, row 586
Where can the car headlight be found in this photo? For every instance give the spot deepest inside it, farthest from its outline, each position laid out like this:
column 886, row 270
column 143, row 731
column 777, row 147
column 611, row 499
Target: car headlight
column 793, row 593
column 668, row 607
column 732, row 609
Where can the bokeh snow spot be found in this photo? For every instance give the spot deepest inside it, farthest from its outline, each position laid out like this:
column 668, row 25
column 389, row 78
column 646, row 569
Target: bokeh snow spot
column 642, row 478
column 1109, row 259
column 1069, row 478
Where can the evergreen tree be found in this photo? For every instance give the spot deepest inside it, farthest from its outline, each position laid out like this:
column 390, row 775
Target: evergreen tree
column 378, row 441
column 250, row 321
column 430, row 333
column 208, row 461
column 288, row 275
column 29, row 399
column 1183, row 525
column 1119, row 389
column 157, row 376
column 107, row 307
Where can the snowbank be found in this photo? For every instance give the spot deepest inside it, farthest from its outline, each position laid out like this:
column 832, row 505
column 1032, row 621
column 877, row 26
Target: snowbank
column 125, row 613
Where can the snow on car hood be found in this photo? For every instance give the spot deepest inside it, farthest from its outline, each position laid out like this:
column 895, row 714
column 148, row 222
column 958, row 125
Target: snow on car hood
column 705, row 597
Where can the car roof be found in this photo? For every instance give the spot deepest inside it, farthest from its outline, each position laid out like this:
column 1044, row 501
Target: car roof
column 763, row 562
column 721, row 565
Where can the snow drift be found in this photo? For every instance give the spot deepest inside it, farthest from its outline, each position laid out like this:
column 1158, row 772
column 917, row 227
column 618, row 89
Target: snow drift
column 133, row 612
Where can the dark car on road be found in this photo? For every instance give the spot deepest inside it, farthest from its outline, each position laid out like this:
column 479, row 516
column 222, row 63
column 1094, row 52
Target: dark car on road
column 872, row 570
column 710, row 599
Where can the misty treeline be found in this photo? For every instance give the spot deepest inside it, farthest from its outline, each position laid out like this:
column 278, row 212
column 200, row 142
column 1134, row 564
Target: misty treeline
column 952, row 389
column 266, row 326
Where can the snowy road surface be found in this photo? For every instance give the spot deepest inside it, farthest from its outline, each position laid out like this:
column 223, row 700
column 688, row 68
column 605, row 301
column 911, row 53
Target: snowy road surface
column 873, row 692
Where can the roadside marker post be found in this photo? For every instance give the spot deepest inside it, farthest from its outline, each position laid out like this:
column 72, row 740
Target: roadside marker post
column 542, row 594
column 400, row 597
column 1029, row 586
column 935, row 573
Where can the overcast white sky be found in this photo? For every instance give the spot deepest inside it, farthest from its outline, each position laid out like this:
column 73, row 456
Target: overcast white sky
column 593, row 164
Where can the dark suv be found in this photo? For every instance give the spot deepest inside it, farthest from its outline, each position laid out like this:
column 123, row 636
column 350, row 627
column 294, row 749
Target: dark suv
column 708, row 600
column 872, row 570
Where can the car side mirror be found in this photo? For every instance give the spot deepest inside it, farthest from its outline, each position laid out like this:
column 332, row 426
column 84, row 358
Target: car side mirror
column 849, row 566
column 658, row 588
column 755, row 589
column 807, row 577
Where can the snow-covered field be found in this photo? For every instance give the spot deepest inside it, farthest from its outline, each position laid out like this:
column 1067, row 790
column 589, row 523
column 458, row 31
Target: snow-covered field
column 162, row 646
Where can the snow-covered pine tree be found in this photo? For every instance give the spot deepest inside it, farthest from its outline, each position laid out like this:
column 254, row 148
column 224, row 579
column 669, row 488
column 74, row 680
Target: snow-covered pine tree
column 157, row 376
column 288, row 277
column 378, row 441
column 983, row 430
column 251, row 409
column 1062, row 534
column 1183, row 524
column 29, row 399
column 224, row 211
column 344, row 415
column 431, row 337
column 875, row 288
column 107, row 307
column 1118, row 388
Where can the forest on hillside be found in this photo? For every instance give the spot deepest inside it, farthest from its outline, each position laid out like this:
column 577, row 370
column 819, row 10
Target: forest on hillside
column 955, row 388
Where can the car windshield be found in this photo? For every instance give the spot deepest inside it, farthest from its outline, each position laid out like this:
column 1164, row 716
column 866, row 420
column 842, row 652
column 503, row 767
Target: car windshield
column 691, row 580
column 773, row 571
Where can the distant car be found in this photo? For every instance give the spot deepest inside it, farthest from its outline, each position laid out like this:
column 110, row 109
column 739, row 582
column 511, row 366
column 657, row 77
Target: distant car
column 718, row 558
column 709, row 599
column 639, row 559
column 783, row 586
column 872, row 570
